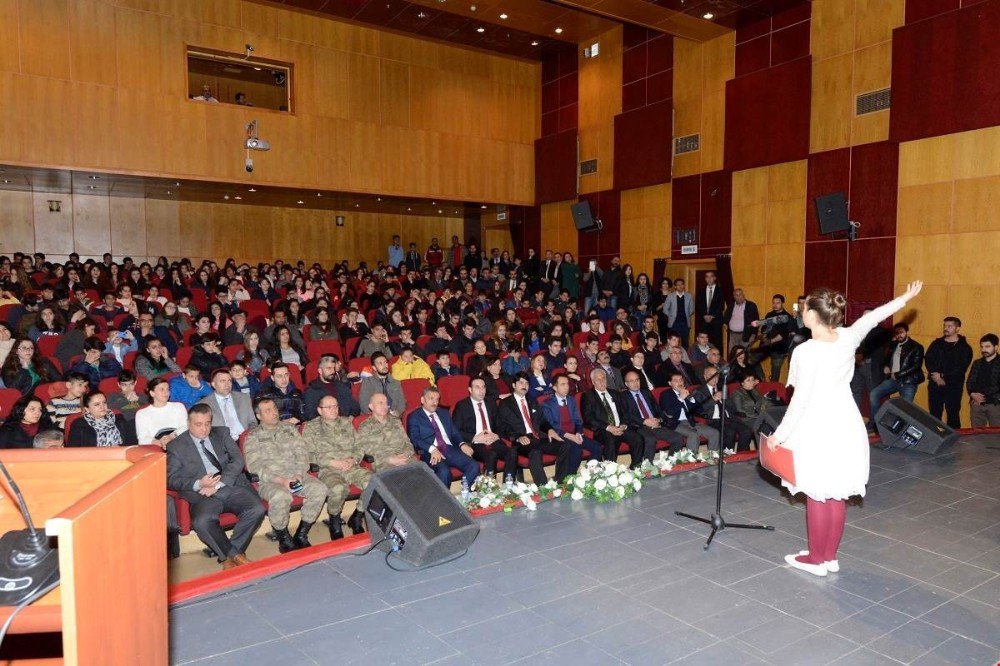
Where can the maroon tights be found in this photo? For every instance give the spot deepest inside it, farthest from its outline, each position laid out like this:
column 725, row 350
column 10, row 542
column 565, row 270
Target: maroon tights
column 824, row 528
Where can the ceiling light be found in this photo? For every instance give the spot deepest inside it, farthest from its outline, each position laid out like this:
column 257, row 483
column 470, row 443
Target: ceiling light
column 95, row 177
column 456, row 212
column 483, row 206
column 238, row 197
column 225, row 197
column 300, row 201
column 534, row 42
column 357, row 205
column 440, row 211
column 92, row 187
column 434, row 203
column 168, row 192
column 421, row 15
column 256, row 69
column 378, row 199
column 6, row 182
column 177, row 184
column 408, row 208
column 503, row 16
column 708, row 15
column 319, row 194
column 558, row 31
column 252, row 190
column 480, row 29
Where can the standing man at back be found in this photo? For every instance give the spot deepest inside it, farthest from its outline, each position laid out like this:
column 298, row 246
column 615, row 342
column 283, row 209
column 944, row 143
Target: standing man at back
column 984, row 384
column 709, row 306
column 947, row 360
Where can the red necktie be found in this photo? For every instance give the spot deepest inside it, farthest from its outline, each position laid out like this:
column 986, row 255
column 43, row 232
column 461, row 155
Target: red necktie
column 482, row 415
column 642, row 407
column 527, row 418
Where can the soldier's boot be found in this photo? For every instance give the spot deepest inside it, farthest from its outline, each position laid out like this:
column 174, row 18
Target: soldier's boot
column 357, row 522
column 301, row 537
column 336, row 528
column 285, row 541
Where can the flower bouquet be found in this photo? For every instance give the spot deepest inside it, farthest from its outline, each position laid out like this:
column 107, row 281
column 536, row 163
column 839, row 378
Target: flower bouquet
column 606, row 481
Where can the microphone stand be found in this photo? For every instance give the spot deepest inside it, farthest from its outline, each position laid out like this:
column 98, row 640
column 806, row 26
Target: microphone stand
column 717, row 522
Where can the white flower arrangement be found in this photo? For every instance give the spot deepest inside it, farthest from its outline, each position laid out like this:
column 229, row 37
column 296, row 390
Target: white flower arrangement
column 487, row 493
column 663, row 462
column 605, row 481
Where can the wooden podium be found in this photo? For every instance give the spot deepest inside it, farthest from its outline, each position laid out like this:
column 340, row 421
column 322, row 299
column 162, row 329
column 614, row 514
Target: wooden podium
column 106, row 509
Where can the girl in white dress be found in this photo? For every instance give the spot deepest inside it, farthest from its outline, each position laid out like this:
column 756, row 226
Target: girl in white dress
column 823, row 426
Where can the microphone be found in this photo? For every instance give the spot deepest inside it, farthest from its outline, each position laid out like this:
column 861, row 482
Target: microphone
column 27, row 562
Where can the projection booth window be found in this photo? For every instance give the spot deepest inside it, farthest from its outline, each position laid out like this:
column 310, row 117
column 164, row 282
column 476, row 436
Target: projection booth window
column 227, row 78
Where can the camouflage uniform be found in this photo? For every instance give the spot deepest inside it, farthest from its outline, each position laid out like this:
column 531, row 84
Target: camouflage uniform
column 335, row 441
column 382, row 441
column 283, row 452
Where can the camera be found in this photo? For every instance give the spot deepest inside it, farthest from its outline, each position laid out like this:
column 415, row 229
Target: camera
column 256, row 144
column 249, row 165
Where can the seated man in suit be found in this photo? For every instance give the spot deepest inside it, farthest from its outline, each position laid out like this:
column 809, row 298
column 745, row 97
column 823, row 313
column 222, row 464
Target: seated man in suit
column 679, row 409
column 205, row 467
column 615, row 382
column 645, row 417
column 603, row 413
column 477, row 421
column 638, row 363
column 708, row 405
column 562, row 414
column 279, row 456
column 675, row 363
column 520, row 421
column 232, row 410
column 438, row 441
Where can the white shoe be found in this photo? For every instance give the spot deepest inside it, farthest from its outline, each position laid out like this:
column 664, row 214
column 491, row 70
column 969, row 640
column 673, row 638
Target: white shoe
column 814, row 569
column 833, row 566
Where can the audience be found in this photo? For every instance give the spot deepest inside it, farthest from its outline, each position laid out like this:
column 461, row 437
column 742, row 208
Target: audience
column 99, row 426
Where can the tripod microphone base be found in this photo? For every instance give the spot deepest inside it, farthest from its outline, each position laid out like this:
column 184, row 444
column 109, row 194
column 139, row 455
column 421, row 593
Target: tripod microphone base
column 25, row 567
column 718, row 524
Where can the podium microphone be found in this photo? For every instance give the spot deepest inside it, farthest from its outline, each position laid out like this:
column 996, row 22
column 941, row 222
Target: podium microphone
column 27, row 563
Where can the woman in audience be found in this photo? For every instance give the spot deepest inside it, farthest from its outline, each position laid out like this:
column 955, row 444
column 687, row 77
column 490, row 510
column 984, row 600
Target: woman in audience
column 254, row 356
column 569, row 272
column 321, row 326
column 162, row 420
column 539, row 378
column 25, row 368
column 203, row 325
column 577, row 383
column 98, row 426
column 6, row 342
column 498, row 343
column 204, row 282
column 643, row 291
column 153, row 296
column 515, row 362
column 96, row 280
column 301, row 290
column 627, row 297
column 492, row 374
column 27, row 418
column 207, row 356
column 114, row 276
column 515, row 329
column 532, row 341
column 265, row 292
column 558, row 332
column 740, row 365
column 154, row 361
column 172, row 320
column 620, row 329
column 656, row 305
column 49, row 322
column 283, row 348
column 219, row 318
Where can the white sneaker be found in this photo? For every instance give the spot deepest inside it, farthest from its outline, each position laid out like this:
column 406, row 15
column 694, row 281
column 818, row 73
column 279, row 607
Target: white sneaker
column 833, row 566
column 814, row 569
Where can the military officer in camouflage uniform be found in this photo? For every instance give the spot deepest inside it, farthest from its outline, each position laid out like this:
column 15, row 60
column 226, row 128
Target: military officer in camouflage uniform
column 382, row 436
column 276, row 453
column 333, row 447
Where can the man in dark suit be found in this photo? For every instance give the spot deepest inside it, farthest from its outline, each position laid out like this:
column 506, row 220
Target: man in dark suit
column 737, row 318
column 615, row 382
column 645, row 417
column 562, row 414
column 675, row 363
column 438, row 441
column 477, row 421
column 708, row 404
column 678, row 407
column 231, row 410
column 205, row 467
column 520, row 420
column 604, row 413
column 709, row 305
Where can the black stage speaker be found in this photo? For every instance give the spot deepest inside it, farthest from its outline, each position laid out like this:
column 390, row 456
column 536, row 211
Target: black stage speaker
column 901, row 424
column 417, row 514
column 831, row 209
column 583, row 218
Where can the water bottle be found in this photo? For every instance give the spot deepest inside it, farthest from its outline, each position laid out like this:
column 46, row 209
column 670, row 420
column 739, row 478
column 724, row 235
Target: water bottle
column 465, row 490
column 509, row 482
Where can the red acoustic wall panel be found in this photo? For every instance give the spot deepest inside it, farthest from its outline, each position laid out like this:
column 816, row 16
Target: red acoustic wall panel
column 874, row 188
column 555, row 167
column 828, row 172
column 871, row 269
column 704, row 203
column 647, row 67
column 918, row 10
column 773, row 40
column 560, row 90
column 944, row 73
column 643, row 146
column 604, row 244
column 826, row 265
column 525, row 229
column 767, row 116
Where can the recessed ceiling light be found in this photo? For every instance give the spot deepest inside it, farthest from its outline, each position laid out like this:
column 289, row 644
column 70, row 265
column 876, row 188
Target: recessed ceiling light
column 357, row 205
column 169, row 192
column 421, row 15
column 378, row 199
column 483, row 206
column 95, row 177
column 300, row 201
column 440, row 211
column 6, row 182
column 252, row 190
column 480, row 29
column 708, row 15
column 456, row 212
column 177, row 184
column 434, row 203
column 408, row 208
column 534, row 42
column 319, row 194
column 225, row 197
column 558, row 31
column 92, row 187
column 256, row 69
column 503, row 16
column 238, row 197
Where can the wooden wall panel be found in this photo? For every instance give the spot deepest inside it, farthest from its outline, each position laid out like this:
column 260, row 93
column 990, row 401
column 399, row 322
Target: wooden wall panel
column 16, row 215
column 600, row 100
column 103, row 85
column 558, row 231
column 91, row 224
column 646, row 226
column 700, row 75
column 53, row 230
column 128, row 227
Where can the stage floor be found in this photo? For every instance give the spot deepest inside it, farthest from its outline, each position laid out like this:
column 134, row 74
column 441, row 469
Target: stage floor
column 580, row 583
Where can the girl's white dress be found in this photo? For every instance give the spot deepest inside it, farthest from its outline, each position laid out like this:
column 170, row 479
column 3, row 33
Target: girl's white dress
column 822, row 425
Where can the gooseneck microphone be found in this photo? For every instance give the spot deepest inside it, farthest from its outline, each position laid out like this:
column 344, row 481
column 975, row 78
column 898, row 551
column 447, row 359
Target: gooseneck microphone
column 27, row 563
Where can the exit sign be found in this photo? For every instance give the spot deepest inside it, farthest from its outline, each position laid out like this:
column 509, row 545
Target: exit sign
column 689, row 249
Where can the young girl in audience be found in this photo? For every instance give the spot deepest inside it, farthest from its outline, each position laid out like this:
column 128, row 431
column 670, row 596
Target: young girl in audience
column 25, row 368
column 254, row 356
column 49, row 322
column 27, row 418
column 161, row 421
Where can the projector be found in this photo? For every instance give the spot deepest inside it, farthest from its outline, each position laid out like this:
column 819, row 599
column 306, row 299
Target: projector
column 257, row 144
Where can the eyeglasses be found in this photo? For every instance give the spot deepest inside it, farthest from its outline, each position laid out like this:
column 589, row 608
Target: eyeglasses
column 26, row 348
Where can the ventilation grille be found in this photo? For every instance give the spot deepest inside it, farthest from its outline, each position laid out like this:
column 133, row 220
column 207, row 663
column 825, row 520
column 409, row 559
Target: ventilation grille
column 588, row 166
column 878, row 100
column 686, row 144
